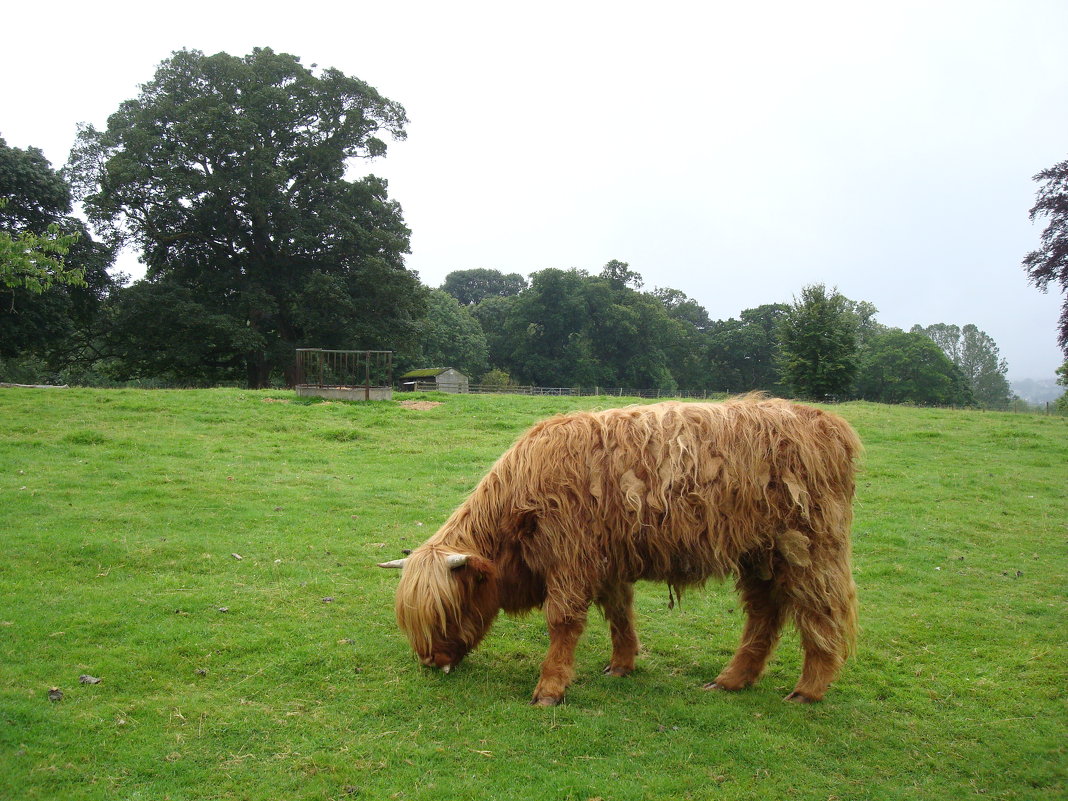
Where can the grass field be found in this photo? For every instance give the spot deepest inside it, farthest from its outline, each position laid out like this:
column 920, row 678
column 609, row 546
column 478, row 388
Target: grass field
column 281, row 674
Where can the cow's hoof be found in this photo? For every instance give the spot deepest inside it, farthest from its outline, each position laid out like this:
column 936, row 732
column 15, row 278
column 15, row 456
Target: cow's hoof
column 799, row 698
column 615, row 670
column 718, row 685
column 547, row 700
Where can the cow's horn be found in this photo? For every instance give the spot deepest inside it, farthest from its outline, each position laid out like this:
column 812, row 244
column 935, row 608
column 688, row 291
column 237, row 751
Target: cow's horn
column 455, row 560
column 394, row 563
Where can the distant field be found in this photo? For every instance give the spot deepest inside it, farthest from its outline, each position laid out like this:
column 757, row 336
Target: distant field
column 281, row 674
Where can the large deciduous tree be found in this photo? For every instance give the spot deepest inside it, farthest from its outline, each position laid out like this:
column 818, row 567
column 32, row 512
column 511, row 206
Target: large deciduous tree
column 1049, row 264
column 1062, row 378
column 686, row 346
column 474, row 286
column 573, row 329
column 547, row 332
column 229, row 174
column 53, row 276
column 899, row 367
column 818, row 344
column 743, row 352
column 976, row 356
column 449, row 336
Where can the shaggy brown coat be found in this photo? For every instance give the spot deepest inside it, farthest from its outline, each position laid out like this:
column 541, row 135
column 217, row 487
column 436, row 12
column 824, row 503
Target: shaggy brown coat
column 585, row 504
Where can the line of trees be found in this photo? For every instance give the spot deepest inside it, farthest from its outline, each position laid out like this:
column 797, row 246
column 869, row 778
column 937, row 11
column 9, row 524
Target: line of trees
column 232, row 176
column 573, row 328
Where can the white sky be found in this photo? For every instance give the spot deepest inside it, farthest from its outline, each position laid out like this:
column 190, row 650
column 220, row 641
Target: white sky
column 735, row 151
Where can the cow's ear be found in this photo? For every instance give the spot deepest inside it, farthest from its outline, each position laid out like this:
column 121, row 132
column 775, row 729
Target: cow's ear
column 478, row 567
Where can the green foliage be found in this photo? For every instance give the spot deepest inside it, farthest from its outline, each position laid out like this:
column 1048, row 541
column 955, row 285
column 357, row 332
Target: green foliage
column 867, row 326
column 33, row 198
column 976, row 356
column 122, row 509
column 572, row 329
column 449, row 336
column 35, row 263
column 496, row 378
column 1061, row 404
column 620, row 276
column 492, row 315
column 544, row 330
column 743, row 353
column 164, row 330
column 899, row 367
column 53, row 277
column 682, row 307
column 474, row 286
column 1049, row 264
column 686, row 342
column 229, row 174
column 818, row 344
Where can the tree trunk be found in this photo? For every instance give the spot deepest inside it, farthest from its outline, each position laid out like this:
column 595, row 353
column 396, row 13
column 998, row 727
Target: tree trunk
column 258, row 370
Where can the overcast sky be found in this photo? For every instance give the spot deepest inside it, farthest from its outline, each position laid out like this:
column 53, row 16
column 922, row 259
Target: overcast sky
column 734, row 151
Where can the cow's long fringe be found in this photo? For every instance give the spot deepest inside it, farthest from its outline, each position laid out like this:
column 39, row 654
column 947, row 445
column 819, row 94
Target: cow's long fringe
column 436, row 600
column 675, row 492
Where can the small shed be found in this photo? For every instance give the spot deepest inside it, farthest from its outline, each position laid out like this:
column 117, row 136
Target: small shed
column 441, row 379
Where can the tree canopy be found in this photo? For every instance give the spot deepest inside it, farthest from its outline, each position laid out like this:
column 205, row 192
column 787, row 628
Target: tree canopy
column 53, row 276
column 229, row 174
column 743, row 351
column 1062, row 379
column 900, row 367
column 976, row 356
column 473, row 286
column 573, row 329
column 1049, row 264
column 35, row 262
column 449, row 336
column 818, row 344
column 34, row 198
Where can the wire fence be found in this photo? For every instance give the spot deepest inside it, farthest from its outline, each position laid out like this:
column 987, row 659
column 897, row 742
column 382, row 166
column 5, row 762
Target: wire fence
column 619, row 392
column 1017, row 405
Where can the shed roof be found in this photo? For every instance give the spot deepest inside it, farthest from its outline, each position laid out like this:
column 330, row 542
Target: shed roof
column 428, row 372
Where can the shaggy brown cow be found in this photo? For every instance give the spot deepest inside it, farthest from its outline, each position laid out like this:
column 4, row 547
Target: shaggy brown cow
column 585, row 504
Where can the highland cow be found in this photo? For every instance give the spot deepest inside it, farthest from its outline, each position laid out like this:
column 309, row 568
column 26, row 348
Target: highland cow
column 585, row 504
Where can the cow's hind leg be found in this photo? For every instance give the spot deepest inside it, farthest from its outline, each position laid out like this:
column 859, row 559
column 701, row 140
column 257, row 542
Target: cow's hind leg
column 566, row 623
column 618, row 606
column 765, row 611
column 826, row 616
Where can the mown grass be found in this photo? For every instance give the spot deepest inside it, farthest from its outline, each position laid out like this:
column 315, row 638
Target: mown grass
column 121, row 513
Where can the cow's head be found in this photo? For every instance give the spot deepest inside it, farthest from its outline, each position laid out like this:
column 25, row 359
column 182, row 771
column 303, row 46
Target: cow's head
column 446, row 602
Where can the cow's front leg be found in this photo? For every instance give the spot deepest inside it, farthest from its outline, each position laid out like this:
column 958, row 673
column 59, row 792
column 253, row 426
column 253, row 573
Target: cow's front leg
column 765, row 612
column 558, row 669
column 618, row 605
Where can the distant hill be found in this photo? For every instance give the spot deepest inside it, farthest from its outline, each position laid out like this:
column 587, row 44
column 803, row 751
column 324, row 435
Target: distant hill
column 1038, row 390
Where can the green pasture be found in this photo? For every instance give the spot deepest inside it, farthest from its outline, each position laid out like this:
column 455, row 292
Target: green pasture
column 209, row 556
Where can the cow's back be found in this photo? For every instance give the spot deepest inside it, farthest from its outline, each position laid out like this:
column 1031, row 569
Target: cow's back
column 678, row 491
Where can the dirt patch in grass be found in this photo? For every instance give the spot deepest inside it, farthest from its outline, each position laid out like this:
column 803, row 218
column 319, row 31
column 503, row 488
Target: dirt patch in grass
column 420, row 404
